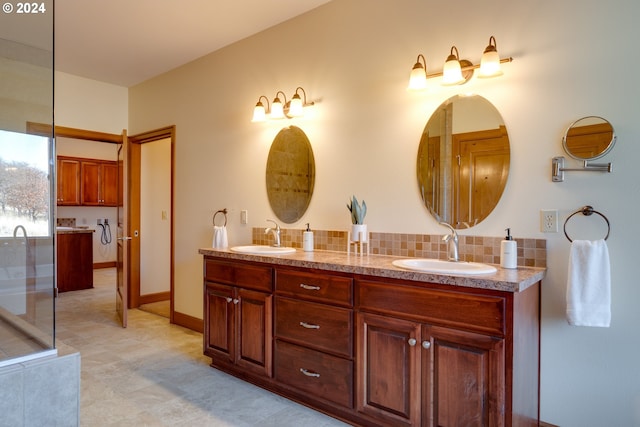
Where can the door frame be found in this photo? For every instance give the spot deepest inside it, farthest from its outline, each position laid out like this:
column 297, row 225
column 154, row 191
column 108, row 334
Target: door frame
column 133, row 293
column 90, row 135
column 135, row 143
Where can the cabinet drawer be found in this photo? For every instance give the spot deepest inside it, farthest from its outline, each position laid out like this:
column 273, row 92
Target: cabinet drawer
column 315, row 287
column 316, row 373
column 248, row 276
column 315, row 325
column 480, row 313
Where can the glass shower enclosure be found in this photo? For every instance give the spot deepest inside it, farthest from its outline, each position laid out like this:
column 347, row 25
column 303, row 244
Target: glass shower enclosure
column 27, row 184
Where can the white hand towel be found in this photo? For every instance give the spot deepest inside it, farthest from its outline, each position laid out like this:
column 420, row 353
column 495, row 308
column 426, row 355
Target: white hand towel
column 589, row 284
column 220, row 237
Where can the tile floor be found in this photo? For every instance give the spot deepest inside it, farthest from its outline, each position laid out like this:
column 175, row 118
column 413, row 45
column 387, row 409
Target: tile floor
column 154, row 374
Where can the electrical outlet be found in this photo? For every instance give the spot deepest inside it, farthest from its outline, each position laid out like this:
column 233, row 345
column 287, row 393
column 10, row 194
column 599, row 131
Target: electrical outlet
column 99, row 222
column 549, row 220
column 106, row 221
column 244, row 216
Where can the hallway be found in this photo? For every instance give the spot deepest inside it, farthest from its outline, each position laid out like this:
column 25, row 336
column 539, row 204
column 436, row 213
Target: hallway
column 154, row 374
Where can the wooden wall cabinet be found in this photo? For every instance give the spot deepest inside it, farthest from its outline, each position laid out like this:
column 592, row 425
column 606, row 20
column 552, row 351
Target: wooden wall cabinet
column 86, row 182
column 99, row 185
column 68, row 185
column 238, row 315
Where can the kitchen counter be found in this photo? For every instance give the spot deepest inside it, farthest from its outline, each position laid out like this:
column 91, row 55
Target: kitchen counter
column 516, row 280
column 73, row 230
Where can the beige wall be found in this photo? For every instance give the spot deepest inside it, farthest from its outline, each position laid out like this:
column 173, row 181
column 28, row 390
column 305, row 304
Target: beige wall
column 355, row 57
column 88, row 104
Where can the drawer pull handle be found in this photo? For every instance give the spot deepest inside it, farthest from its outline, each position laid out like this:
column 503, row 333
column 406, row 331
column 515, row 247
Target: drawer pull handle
column 426, row 345
column 309, row 373
column 309, row 287
column 309, row 325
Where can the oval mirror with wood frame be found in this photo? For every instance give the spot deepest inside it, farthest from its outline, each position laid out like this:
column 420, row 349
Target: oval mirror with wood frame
column 463, row 161
column 290, row 174
column 589, row 138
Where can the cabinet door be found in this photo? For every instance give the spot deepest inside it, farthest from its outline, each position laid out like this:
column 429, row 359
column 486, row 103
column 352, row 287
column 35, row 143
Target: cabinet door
column 388, row 382
column 109, row 183
column 68, row 186
column 255, row 336
column 219, row 326
column 90, row 184
column 75, row 261
column 463, row 378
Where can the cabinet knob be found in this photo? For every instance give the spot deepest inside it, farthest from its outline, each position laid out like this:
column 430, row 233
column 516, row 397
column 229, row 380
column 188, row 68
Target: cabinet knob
column 309, row 325
column 229, row 299
column 236, row 300
column 309, row 373
column 412, row 342
column 426, row 344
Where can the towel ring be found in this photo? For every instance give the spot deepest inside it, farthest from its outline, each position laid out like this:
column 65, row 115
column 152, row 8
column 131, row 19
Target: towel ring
column 222, row 211
column 587, row 211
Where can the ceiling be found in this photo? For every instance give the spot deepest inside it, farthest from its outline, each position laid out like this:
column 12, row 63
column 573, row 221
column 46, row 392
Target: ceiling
column 125, row 42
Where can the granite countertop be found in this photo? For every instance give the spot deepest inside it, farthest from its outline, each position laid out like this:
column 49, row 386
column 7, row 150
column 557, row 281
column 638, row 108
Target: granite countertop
column 508, row 280
column 74, row 230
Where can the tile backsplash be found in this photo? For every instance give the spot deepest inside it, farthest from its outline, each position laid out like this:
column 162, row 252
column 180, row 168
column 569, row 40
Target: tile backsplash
column 531, row 252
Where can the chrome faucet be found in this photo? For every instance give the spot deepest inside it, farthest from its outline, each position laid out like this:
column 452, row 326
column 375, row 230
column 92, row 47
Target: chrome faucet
column 275, row 231
column 452, row 239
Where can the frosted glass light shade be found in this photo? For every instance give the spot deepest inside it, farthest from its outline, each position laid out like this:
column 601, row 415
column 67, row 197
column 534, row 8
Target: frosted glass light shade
column 452, row 73
column 295, row 107
column 490, row 64
column 277, row 111
column 418, row 78
column 259, row 113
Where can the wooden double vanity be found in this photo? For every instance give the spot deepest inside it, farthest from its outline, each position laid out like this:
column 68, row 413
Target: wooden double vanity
column 370, row 344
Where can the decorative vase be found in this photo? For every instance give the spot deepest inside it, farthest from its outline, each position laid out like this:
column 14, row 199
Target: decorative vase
column 359, row 233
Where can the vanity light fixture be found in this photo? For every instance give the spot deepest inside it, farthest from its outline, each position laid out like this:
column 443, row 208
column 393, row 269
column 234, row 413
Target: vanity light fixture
column 259, row 112
column 459, row 71
column 279, row 109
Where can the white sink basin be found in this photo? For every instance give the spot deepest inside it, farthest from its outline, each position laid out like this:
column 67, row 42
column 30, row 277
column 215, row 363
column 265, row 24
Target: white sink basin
column 428, row 265
column 263, row 250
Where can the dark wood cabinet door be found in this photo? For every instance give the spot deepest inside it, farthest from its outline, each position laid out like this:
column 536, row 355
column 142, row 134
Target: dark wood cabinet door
column 74, row 252
column 109, row 184
column 90, row 173
column 463, row 378
column 254, row 331
column 68, row 182
column 388, row 374
column 220, row 322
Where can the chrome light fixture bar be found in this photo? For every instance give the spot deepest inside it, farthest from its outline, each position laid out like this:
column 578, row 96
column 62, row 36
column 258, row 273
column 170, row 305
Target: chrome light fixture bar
column 459, row 71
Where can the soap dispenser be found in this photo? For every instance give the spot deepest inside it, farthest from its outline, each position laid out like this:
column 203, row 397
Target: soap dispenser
column 508, row 251
column 307, row 240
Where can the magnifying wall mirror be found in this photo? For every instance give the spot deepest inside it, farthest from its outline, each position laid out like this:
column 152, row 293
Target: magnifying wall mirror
column 589, row 138
column 463, row 161
column 290, row 174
